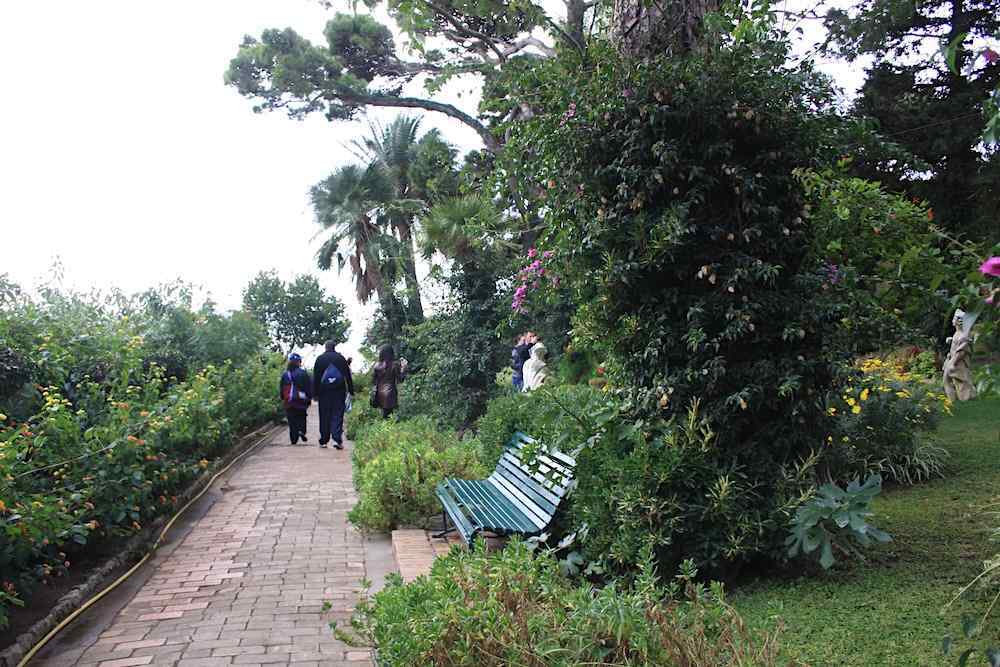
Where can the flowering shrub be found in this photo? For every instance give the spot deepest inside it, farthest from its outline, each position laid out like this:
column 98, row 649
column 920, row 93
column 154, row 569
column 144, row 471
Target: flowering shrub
column 882, row 260
column 104, row 440
column 880, row 421
column 682, row 236
column 532, row 276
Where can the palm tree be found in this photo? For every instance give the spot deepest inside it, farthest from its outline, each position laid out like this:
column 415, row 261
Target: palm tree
column 347, row 205
column 393, row 147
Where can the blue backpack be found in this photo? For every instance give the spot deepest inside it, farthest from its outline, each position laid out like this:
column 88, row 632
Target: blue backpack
column 332, row 379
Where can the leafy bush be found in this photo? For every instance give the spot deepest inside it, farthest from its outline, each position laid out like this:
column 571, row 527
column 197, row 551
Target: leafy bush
column 397, row 466
column 667, row 485
column 880, row 423
column 510, row 608
column 551, row 414
column 102, row 439
column 676, row 220
column 454, row 354
column 836, row 518
column 889, row 273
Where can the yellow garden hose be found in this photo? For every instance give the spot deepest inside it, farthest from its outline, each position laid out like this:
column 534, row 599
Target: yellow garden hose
column 69, row 619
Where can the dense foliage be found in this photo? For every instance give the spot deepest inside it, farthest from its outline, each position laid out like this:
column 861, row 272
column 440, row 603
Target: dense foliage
column 99, row 439
column 515, row 608
column 927, row 109
column 397, row 467
column 889, row 274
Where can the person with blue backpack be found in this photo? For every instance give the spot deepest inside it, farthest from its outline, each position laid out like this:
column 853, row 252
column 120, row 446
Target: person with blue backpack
column 332, row 384
column 296, row 390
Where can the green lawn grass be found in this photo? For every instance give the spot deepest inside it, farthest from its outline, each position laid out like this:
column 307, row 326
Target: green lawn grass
column 889, row 610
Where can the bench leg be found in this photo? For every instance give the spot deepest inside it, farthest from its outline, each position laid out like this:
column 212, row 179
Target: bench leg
column 444, row 526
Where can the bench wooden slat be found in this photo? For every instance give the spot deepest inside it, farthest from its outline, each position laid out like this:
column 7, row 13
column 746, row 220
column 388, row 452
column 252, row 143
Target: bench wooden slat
column 520, row 439
column 556, row 483
column 520, row 521
column 543, row 458
column 534, row 513
column 454, row 511
column 515, row 498
column 544, row 498
column 491, row 511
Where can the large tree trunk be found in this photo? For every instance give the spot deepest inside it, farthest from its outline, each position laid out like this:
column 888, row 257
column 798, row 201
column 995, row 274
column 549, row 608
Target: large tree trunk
column 414, row 307
column 646, row 28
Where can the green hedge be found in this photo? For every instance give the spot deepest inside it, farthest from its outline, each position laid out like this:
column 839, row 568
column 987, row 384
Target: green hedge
column 397, row 466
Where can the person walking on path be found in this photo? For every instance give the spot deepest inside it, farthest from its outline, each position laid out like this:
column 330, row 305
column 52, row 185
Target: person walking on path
column 332, row 384
column 296, row 391
column 387, row 374
column 518, row 355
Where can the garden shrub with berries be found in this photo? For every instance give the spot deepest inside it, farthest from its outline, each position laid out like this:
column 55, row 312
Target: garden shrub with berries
column 96, row 440
column 679, row 228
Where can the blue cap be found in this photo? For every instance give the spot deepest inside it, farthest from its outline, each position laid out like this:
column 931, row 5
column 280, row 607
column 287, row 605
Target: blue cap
column 295, row 356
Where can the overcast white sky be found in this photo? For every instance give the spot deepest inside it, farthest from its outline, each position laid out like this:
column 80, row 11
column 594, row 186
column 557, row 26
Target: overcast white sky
column 123, row 154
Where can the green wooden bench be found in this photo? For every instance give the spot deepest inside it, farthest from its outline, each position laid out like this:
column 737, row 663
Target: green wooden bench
column 515, row 499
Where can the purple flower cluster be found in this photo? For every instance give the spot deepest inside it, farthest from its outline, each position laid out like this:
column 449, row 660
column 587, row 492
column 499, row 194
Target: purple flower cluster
column 531, row 276
column 991, row 267
column 833, row 273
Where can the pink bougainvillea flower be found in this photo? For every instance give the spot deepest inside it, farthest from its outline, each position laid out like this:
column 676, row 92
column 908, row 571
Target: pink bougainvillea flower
column 532, row 253
column 991, row 267
column 990, row 56
column 547, row 254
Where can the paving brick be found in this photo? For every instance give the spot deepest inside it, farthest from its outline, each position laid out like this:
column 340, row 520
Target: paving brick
column 247, row 584
column 145, row 643
column 127, row 662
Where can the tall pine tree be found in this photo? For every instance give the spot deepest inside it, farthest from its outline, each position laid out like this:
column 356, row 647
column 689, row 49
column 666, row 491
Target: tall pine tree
column 919, row 103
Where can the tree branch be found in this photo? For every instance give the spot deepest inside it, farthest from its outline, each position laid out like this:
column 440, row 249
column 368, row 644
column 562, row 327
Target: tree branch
column 463, row 29
column 484, row 133
column 510, row 48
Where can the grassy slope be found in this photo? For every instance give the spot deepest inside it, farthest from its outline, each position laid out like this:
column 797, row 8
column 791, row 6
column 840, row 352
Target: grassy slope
column 888, row 612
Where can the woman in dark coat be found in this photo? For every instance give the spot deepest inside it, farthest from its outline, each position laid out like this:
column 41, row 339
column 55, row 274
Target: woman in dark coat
column 387, row 374
column 295, row 389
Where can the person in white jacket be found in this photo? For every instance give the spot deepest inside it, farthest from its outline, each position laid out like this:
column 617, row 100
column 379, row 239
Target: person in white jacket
column 535, row 369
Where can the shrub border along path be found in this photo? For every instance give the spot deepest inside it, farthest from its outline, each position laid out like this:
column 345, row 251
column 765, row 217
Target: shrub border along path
column 132, row 550
column 248, row 583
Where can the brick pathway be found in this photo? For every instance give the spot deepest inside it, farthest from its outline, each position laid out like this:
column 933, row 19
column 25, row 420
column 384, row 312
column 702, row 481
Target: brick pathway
column 248, row 583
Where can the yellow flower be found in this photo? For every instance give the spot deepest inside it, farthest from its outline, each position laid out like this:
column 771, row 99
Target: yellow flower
column 864, row 394
column 3, row 417
column 3, row 506
column 831, row 411
column 856, row 409
column 851, row 401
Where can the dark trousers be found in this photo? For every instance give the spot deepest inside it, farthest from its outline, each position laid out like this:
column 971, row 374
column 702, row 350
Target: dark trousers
column 296, row 424
column 518, row 381
column 331, row 417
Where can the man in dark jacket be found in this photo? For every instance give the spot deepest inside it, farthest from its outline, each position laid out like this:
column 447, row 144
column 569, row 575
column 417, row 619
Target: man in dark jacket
column 296, row 391
column 332, row 396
